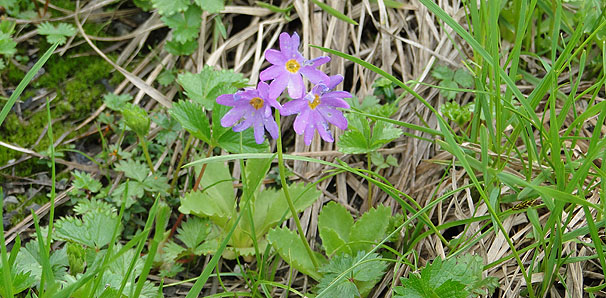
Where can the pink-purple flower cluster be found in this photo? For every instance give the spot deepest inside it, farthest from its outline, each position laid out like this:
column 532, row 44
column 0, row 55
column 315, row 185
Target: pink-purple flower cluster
column 315, row 109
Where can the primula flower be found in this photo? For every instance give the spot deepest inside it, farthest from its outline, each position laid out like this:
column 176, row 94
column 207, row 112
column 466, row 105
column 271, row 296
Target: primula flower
column 317, row 109
column 252, row 107
column 288, row 66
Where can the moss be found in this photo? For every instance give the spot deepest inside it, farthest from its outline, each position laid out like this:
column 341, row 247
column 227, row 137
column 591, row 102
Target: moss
column 14, row 75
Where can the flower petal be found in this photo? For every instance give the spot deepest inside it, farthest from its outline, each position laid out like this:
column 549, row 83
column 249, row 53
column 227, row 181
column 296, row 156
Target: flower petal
column 288, row 44
column 230, row 118
column 314, row 75
column 226, row 100
column 278, row 85
column 296, row 86
column 275, row 57
column 294, row 107
column 271, row 126
column 334, row 102
column 318, row 61
column 246, row 123
column 334, row 116
column 272, row 72
column 259, row 130
column 324, row 131
column 333, row 81
column 309, row 134
column 301, row 122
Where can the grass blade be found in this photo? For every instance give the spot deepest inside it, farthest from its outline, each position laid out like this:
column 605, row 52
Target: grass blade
column 28, row 77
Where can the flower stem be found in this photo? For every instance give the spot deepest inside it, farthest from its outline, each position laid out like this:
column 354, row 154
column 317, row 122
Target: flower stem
column 369, row 200
column 291, row 206
column 146, row 153
column 181, row 161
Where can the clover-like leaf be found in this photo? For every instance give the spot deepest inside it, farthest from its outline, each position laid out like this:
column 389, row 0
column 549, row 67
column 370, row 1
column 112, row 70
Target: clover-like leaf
column 463, row 78
column 360, row 138
column 8, row 46
column 449, row 94
column 181, row 49
column 186, row 26
column 57, row 34
column 442, row 72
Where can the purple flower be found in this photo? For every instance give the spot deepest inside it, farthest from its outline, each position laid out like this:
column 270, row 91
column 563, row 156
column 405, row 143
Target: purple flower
column 317, row 109
column 251, row 107
column 288, row 66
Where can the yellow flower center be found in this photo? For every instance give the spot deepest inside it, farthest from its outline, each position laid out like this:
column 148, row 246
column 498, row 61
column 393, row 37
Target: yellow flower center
column 292, row 65
column 314, row 103
column 256, row 102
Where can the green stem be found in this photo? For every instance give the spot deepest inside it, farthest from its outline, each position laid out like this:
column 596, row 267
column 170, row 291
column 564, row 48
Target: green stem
column 369, row 201
column 291, row 206
column 146, row 153
column 180, row 164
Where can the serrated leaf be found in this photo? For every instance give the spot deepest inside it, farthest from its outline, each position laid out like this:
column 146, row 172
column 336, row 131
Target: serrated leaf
column 156, row 184
column 193, row 118
column 186, row 26
column 449, row 94
column 116, row 102
column 463, row 78
column 93, row 230
column 29, row 261
column 231, row 141
column 288, row 244
column 358, row 139
column 8, row 46
column 455, row 277
column 83, row 180
column 194, row 231
column 133, row 169
column 166, row 77
column 211, row 6
column 217, row 200
column 93, row 205
column 442, row 72
column 169, row 7
column 370, row 271
column 365, row 105
column 206, row 86
column 181, row 49
column 135, row 191
column 370, row 228
column 334, row 224
column 56, row 34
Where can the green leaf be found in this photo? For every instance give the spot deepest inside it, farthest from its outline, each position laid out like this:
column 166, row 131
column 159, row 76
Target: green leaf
column 358, row 138
column 181, row 49
column 8, row 46
column 442, row 73
column 83, row 180
column 211, row 6
column 116, row 102
column 56, row 34
column 136, row 119
column 449, row 94
column 288, row 244
column 369, row 229
column 194, row 231
column 135, row 191
column 270, row 205
column 206, row 86
column 133, row 169
column 455, row 277
column 93, row 230
column 339, row 15
column 334, row 224
column 29, row 261
column 256, row 170
column 216, row 198
column 156, row 184
column 463, row 78
column 370, row 271
column 193, row 118
column 186, row 26
column 169, row 7
column 455, row 112
column 231, row 141
column 166, row 77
